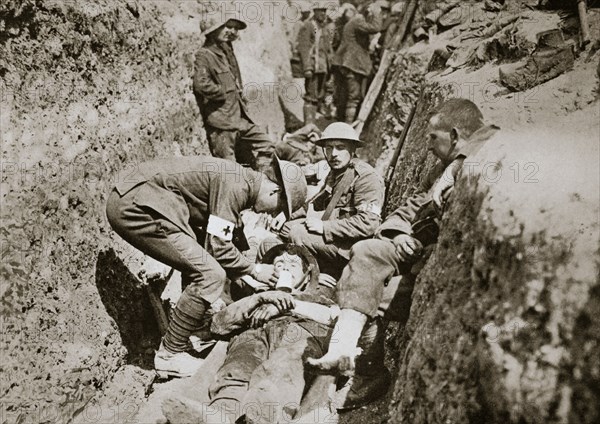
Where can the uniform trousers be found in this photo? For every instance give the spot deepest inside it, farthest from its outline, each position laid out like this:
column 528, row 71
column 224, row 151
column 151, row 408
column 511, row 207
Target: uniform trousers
column 372, row 264
column 354, row 85
column 151, row 233
column 249, row 146
column 263, row 375
column 315, row 89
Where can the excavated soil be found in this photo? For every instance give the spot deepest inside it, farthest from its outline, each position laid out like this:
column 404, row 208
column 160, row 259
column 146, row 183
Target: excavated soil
column 504, row 320
column 88, row 89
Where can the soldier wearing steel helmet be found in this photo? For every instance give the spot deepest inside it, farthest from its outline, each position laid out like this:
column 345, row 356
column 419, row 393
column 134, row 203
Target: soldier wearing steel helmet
column 456, row 131
column 185, row 213
column 353, row 59
column 314, row 43
column 348, row 207
column 217, row 84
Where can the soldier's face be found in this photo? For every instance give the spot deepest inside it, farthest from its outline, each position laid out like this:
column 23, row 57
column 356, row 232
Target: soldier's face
column 320, row 15
column 338, row 153
column 232, row 31
column 228, row 32
column 292, row 264
column 268, row 199
column 439, row 141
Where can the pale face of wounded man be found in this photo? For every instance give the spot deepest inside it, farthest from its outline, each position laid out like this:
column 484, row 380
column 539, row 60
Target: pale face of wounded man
column 292, row 264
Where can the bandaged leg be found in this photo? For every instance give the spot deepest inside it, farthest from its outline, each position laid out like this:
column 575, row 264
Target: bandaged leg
column 343, row 349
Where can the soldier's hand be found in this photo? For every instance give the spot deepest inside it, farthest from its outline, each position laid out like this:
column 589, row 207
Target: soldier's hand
column 441, row 192
column 444, row 186
column 284, row 233
column 265, row 274
column 308, row 74
column 314, row 225
column 281, row 300
column 262, row 314
column 407, row 247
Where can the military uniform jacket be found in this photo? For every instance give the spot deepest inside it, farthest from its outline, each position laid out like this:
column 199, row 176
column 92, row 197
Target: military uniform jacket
column 353, row 52
column 314, row 46
column 188, row 190
column 235, row 316
column 358, row 212
column 419, row 207
column 218, row 88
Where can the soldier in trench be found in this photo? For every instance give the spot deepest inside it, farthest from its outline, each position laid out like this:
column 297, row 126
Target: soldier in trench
column 353, row 61
column 314, row 43
column 185, row 213
column 217, row 85
column 347, row 208
column 263, row 376
column 456, row 130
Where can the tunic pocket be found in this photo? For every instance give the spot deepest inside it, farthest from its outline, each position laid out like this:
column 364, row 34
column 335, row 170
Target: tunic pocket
column 226, row 80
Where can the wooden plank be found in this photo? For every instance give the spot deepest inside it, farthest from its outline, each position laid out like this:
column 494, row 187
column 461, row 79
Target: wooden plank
column 374, row 90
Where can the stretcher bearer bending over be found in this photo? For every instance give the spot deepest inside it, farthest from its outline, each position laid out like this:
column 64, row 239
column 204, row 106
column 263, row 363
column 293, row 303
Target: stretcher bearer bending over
column 185, row 213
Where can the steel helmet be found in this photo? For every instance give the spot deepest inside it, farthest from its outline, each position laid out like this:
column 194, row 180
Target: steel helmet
column 339, row 131
column 318, row 5
column 291, row 178
column 383, row 4
column 214, row 21
column 398, row 8
column 305, row 7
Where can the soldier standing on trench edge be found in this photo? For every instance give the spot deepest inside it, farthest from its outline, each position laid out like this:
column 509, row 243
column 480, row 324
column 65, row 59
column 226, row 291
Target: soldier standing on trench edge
column 456, row 131
column 217, row 85
column 185, row 213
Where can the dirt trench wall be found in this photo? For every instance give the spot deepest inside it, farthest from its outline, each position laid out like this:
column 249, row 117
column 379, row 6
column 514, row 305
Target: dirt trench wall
column 504, row 319
column 89, row 89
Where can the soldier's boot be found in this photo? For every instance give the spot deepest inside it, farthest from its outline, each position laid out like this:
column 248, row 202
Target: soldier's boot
column 310, row 113
column 371, row 379
column 181, row 364
column 350, row 114
column 541, row 66
column 344, row 349
column 171, row 359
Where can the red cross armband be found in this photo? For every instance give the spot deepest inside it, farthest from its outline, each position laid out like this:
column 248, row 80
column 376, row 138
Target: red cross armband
column 220, row 227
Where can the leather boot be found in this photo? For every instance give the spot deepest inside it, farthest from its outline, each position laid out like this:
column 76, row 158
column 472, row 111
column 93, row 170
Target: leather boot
column 181, row 364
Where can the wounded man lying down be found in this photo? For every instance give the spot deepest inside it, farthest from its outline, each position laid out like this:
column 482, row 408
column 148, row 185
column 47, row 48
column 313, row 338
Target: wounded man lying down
column 263, row 376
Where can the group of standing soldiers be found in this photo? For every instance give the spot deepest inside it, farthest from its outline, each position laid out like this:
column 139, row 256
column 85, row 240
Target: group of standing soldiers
column 334, row 53
column 340, row 53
